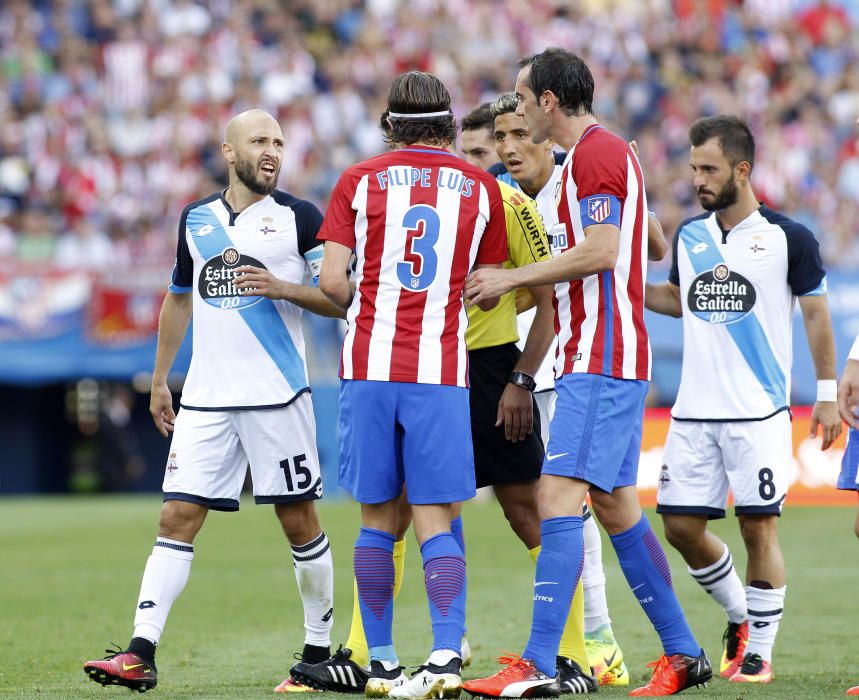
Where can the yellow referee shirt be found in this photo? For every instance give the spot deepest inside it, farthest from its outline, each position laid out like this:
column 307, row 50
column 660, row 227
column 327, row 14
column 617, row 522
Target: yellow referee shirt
column 526, row 243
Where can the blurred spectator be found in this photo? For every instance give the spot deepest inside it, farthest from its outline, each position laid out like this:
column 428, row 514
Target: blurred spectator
column 111, row 112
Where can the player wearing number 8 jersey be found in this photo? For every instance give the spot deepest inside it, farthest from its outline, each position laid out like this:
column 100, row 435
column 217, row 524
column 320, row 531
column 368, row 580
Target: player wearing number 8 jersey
column 418, row 220
column 736, row 273
column 242, row 258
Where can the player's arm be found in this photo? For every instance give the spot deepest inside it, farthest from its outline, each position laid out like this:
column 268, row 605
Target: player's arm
column 257, row 281
column 596, row 253
column 334, row 277
column 516, row 407
column 657, row 246
column 663, row 298
column 848, row 388
column 524, row 301
column 172, row 326
column 821, row 342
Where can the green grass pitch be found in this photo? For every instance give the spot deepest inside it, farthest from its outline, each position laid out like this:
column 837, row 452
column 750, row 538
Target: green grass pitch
column 71, row 570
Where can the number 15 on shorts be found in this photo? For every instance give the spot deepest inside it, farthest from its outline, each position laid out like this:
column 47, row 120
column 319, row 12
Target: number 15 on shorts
column 297, row 475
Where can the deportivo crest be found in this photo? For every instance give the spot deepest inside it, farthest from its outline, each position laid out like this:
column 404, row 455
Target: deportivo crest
column 599, row 209
column 266, row 225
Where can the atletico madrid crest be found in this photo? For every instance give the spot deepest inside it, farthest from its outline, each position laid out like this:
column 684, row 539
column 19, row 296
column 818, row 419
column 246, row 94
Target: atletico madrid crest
column 599, row 208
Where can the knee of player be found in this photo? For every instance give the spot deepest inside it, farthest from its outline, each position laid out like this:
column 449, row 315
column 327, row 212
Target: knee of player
column 856, row 526
column 759, row 532
column 298, row 520
column 521, row 516
column 683, row 534
column 181, row 520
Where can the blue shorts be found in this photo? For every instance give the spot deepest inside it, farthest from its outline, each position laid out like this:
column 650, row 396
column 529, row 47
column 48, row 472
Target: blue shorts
column 595, row 434
column 850, row 463
column 396, row 433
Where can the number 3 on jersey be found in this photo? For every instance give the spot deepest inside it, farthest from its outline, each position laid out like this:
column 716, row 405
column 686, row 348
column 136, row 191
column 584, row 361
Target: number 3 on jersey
column 416, row 271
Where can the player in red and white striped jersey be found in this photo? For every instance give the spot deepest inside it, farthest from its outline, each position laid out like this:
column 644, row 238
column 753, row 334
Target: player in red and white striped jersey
column 602, row 369
column 418, row 220
column 415, row 218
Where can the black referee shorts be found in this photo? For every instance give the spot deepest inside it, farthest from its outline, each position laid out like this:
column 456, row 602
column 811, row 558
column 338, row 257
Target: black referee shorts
column 496, row 459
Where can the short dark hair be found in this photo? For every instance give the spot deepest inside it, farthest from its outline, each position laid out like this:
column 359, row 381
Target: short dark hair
column 735, row 137
column 505, row 104
column 479, row 118
column 417, row 92
column 564, row 74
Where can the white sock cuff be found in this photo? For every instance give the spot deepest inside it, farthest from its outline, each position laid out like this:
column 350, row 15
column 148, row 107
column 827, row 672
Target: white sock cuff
column 312, row 550
column 765, row 604
column 714, row 572
column 173, row 548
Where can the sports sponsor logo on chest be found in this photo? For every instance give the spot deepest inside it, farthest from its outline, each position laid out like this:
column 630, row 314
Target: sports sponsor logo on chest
column 216, row 283
column 721, row 295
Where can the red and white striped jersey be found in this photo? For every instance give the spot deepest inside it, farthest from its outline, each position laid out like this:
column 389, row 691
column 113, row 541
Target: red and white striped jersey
column 600, row 319
column 418, row 219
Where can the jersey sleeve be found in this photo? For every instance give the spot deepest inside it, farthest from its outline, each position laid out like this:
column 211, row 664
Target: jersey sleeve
column 308, row 220
column 526, row 237
column 339, row 222
column 493, row 244
column 182, row 278
column 674, row 274
column 805, row 273
column 600, row 169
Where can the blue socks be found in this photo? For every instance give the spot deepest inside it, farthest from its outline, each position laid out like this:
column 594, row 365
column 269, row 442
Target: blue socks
column 646, row 569
column 559, row 568
column 374, row 575
column 456, row 531
column 444, row 575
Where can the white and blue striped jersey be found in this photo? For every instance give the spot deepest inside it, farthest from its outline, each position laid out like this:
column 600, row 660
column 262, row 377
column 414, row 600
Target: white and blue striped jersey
column 248, row 351
column 738, row 291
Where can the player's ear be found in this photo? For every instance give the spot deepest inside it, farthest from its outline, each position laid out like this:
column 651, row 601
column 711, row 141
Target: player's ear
column 743, row 169
column 548, row 100
column 228, row 153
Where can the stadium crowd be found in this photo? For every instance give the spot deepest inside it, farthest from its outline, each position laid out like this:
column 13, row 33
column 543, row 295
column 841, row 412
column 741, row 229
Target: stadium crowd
column 111, row 112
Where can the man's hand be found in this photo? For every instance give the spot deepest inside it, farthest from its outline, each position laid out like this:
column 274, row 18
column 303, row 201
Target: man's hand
column 256, row 281
column 825, row 415
column 516, row 412
column 161, row 408
column 848, row 393
column 487, row 283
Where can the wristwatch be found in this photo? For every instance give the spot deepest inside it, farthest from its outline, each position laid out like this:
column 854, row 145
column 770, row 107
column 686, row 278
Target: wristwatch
column 526, row 381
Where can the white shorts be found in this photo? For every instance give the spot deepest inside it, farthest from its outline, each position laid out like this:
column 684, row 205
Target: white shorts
column 210, row 452
column 703, row 459
column 546, row 404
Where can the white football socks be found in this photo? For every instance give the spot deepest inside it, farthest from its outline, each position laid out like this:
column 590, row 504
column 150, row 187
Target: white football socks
column 720, row 580
column 593, row 578
column 164, row 578
column 314, row 572
column 765, row 611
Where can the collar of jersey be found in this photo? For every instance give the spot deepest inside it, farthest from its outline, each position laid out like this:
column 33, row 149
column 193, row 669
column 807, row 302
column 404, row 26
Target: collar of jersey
column 587, row 132
column 425, row 149
column 752, row 219
column 236, row 214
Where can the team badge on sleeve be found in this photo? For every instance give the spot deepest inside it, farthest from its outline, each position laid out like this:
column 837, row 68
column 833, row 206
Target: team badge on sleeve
column 600, row 209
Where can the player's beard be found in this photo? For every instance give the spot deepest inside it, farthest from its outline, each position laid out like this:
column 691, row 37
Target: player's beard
column 728, row 196
column 246, row 171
